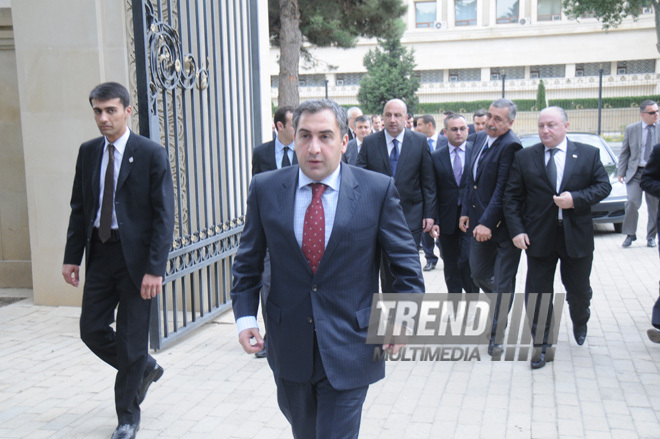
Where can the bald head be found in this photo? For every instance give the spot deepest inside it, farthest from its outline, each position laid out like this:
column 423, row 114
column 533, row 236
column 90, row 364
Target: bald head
column 394, row 116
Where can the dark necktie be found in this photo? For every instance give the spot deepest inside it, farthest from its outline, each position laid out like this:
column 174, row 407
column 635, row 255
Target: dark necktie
column 430, row 140
column 108, row 195
column 394, row 156
column 285, row 157
column 313, row 241
column 649, row 142
column 551, row 168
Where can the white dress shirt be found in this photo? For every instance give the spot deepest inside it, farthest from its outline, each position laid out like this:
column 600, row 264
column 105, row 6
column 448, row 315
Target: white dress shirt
column 120, row 146
column 279, row 152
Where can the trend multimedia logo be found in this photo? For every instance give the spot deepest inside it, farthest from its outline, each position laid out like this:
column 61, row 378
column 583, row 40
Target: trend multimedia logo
column 450, row 327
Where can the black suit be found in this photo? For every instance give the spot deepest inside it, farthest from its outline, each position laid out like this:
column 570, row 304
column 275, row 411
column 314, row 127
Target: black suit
column 350, row 157
column 454, row 244
column 414, row 181
column 494, row 263
column 651, row 184
column 529, row 208
column 263, row 158
column 144, row 205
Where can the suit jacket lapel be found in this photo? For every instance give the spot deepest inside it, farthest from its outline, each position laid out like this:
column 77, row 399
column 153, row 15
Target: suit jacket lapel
column 272, row 163
column 96, row 174
column 539, row 162
column 126, row 161
column 349, row 195
column 569, row 165
column 445, row 161
column 469, row 149
column 287, row 197
column 404, row 153
column 382, row 148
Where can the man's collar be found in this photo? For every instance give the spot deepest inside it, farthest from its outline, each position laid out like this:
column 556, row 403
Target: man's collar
column 399, row 137
column 331, row 180
column 563, row 146
column 280, row 146
column 119, row 144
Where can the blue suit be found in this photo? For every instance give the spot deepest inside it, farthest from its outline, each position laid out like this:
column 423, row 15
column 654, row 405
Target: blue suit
column 324, row 314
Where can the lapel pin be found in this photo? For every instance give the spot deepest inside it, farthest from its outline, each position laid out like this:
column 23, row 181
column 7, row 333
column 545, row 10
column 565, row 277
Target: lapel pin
column 574, row 156
column 130, row 159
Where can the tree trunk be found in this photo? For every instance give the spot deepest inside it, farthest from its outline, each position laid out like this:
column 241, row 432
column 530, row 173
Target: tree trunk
column 656, row 10
column 290, row 44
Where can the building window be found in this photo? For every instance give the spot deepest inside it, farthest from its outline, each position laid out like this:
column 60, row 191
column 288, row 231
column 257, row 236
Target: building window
column 430, row 76
column 551, row 71
column 425, row 14
column 636, row 66
column 311, row 80
column 549, row 10
column 496, row 73
column 461, row 75
column 507, row 11
column 592, row 69
column 466, row 12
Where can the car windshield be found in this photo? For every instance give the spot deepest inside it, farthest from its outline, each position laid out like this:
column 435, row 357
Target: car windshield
column 606, row 155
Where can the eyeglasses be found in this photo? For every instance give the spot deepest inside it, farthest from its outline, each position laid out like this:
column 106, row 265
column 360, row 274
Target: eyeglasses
column 651, row 113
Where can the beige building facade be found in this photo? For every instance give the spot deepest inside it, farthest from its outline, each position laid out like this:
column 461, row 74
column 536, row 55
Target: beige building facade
column 464, row 47
column 52, row 53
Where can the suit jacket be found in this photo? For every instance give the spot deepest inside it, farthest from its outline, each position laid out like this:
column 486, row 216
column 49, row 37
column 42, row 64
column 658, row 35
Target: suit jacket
column 263, row 158
column 351, row 154
column 631, row 149
column 529, row 207
column 651, row 177
column 446, row 188
column 482, row 200
column 441, row 141
column 144, row 204
column 334, row 304
column 414, row 173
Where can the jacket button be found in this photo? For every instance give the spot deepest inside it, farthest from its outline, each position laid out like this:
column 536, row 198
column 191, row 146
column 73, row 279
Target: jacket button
column 474, row 207
column 310, row 320
column 475, row 186
column 314, row 288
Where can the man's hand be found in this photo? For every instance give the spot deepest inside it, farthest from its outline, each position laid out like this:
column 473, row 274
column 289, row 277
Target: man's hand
column 482, row 233
column 392, row 349
column 151, row 286
column 564, row 200
column 464, row 223
column 71, row 274
column 246, row 336
column 521, row 241
column 427, row 223
column 621, row 178
column 435, row 231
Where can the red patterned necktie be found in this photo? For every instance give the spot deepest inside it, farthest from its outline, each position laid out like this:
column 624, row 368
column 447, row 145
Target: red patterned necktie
column 313, row 243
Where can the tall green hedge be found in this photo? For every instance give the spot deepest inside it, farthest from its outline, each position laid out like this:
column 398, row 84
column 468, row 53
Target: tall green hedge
column 469, row 107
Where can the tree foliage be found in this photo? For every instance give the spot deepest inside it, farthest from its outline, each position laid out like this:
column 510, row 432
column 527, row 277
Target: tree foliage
column 540, row 96
column 325, row 23
column 612, row 12
column 390, row 74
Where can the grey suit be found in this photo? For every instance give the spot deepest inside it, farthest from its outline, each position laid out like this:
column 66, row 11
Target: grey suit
column 351, row 154
column 630, row 167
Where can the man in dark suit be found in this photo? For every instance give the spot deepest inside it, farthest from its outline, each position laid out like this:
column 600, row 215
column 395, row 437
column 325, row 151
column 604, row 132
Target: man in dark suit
column 638, row 141
column 450, row 177
column 404, row 155
column 318, row 219
column 276, row 154
column 426, row 125
column 352, row 113
column 362, row 129
column 651, row 185
column 122, row 220
column 493, row 257
column 279, row 151
column 547, row 206
column 479, row 123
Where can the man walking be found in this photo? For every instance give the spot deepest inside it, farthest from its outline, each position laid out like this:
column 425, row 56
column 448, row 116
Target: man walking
column 122, row 219
column 636, row 148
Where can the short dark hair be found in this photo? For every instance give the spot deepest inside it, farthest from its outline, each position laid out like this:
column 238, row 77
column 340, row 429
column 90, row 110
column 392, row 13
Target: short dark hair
column 110, row 90
column 362, row 119
column 316, row 105
column 479, row 113
column 427, row 118
column 447, row 113
column 280, row 114
column 453, row 116
column 645, row 104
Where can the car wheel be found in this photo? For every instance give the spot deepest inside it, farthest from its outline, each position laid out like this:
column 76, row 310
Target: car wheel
column 618, row 227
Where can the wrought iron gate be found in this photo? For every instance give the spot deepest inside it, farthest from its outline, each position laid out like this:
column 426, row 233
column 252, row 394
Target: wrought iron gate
column 196, row 73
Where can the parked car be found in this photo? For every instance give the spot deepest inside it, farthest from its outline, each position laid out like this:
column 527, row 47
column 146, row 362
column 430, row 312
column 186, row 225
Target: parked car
column 611, row 209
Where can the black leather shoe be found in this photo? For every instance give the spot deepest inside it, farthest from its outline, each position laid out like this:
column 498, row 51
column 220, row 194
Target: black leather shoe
column 538, row 361
column 494, row 349
column 429, row 266
column 153, row 376
column 126, row 431
column 650, row 242
column 629, row 240
column 580, row 333
column 654, row 335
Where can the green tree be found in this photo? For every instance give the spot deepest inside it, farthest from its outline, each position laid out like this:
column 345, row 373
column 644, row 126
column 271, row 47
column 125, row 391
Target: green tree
column 541, row 103
column 324, row 23
column 612, row 12
column 390, row 74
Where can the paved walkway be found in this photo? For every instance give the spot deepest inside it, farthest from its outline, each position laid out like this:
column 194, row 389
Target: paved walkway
column 51, row 386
